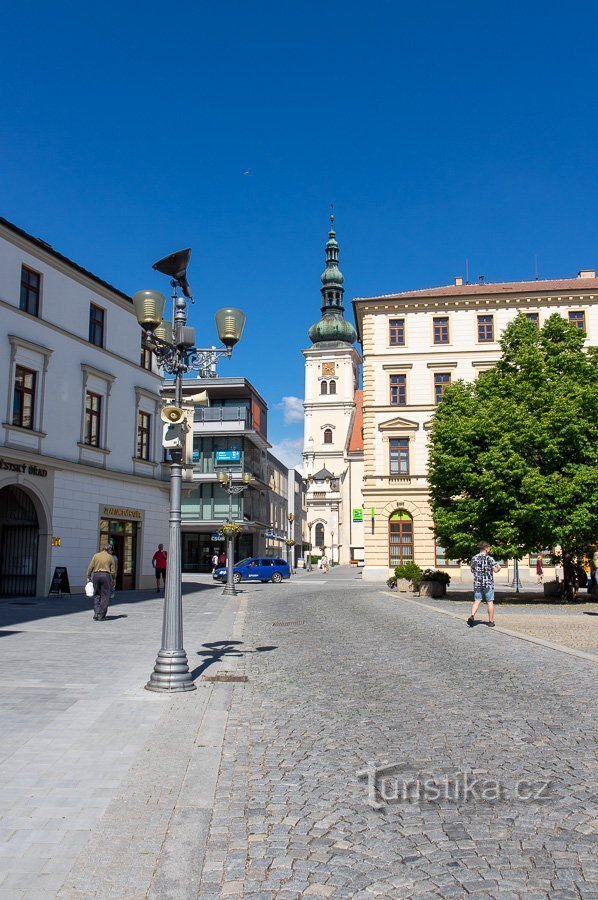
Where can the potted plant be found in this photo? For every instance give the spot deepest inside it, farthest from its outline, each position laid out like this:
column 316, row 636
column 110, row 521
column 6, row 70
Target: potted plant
column 405, row 575
column 432, row 583
column 553, row 588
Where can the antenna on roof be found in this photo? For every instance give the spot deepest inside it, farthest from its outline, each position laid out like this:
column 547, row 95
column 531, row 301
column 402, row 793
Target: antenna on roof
column 466, row 270
column 536, row 266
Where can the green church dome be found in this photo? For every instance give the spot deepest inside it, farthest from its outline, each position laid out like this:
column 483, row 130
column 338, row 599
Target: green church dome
column 333, row 325
column 332, row 328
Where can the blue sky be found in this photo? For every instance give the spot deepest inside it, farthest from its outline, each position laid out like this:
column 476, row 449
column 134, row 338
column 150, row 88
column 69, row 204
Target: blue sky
column 440, row 131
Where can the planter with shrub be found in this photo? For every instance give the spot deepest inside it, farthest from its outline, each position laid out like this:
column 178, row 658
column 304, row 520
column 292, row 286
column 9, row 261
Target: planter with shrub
column 432, row 583
column 406, row 575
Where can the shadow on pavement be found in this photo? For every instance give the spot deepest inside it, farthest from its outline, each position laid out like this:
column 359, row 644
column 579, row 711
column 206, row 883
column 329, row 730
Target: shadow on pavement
column 217, row 650
column 20, row 610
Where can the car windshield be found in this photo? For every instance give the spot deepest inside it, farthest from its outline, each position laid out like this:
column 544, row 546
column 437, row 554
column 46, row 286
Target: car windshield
column 243, row 562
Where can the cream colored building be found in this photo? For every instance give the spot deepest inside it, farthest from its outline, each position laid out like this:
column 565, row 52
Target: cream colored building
column 414, row 344
column 333, row 448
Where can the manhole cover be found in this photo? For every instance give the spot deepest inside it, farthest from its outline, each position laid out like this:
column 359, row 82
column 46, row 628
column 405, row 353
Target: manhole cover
column 287, row 624
column 23, row 603
column 224, row 677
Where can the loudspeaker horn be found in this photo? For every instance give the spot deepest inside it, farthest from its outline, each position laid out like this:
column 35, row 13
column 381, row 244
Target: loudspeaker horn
column 174, row 415
column 200, row 399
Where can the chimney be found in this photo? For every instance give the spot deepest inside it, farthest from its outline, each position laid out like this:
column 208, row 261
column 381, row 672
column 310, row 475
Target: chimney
column 587, row 273
column 482, row 279
column 458, row 281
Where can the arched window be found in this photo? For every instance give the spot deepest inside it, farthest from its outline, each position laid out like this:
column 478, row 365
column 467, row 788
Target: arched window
column 400, row 538
column 330, row 295
column 324, row 387
column 327, row 435
column 332, row 387
column 319, row 540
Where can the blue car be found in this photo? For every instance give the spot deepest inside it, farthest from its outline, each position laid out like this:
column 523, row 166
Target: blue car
column 256, row 568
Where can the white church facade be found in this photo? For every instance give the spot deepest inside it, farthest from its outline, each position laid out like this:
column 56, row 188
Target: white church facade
column 333, row 438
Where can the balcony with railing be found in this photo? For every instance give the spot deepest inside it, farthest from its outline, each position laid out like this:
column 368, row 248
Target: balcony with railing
column 221, row 418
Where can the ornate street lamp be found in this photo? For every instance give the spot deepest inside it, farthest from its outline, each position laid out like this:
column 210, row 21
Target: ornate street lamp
column 225, row 479
column 173, row 345
column 310, row 525
column 290, row 542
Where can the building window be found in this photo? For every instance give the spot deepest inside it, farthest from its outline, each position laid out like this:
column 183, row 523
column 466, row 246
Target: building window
column 30, row 285
column 440, row 555
column 441, row 330
column 319, row 538
column 332, row 387
column 534, row 317
column 441, row 382
column 96, row 325
column 396, row 328
column 23, row 406
column 143, row 435
column 546, row 556
column 324, row 387
column 399, row 456
column 93, row 419
column 578, row 318
column 400, row 538
column 145, row 360
column 485, row 328
column 327, row 435
column 398, row 390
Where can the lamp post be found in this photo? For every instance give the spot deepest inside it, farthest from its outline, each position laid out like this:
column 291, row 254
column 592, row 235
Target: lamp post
column 310, row 525
column 225, row 479
column 174, row 347
column 290, row 546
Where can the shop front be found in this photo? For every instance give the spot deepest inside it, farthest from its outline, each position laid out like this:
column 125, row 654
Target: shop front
column 120, row 526
column 198, row 548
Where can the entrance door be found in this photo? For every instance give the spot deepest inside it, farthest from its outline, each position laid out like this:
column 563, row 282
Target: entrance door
column 19, row 533
column 123, row 537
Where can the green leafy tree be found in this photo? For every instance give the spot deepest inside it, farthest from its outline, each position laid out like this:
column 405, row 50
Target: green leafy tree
column 513, row 455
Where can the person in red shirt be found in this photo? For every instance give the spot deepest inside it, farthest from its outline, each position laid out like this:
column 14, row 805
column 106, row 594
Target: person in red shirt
column 159, row 563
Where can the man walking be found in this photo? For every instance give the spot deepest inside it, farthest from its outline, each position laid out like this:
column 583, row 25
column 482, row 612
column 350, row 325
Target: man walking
column 102, row 571
column 484, row 568
column 159, row 560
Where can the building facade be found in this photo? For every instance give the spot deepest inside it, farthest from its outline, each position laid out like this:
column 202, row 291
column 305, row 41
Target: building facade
column 332, row 447
column 80, row 450
column 228, row 431
column 414, row 345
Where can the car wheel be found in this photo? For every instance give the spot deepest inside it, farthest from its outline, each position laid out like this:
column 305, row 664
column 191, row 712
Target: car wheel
column 277, row 577
column 236, row 577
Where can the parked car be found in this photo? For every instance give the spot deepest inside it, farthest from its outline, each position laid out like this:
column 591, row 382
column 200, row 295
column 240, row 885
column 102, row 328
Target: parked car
column 255, row 568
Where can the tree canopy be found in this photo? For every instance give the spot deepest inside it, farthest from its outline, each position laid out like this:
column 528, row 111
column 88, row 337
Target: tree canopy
column 513, row 455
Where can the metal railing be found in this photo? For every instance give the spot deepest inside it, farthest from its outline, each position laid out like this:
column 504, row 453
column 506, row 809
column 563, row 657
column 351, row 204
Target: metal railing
column 223, row 414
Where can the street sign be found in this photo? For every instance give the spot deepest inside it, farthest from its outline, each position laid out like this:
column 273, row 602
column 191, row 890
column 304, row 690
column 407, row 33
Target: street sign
column 358, row 515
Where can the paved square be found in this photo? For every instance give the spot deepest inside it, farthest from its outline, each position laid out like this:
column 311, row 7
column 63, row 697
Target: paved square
column 358, row 759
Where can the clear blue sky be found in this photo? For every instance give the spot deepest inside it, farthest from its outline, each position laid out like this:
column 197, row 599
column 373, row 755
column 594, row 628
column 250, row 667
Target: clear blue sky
column 439, row 130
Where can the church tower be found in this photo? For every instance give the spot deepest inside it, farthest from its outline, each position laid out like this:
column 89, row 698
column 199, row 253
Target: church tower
column 331, row 416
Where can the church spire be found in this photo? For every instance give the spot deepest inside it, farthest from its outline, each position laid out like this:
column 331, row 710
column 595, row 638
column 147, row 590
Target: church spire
column 332, row 326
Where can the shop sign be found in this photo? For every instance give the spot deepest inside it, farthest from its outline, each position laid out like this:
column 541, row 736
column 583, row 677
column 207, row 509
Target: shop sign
column 217, row 536
column 25, row 468
column 228, row 456
column 120, row 512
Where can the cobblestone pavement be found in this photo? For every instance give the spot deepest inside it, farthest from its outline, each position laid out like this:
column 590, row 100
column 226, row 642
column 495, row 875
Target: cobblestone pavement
column 573, row 625
column 359, row 683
